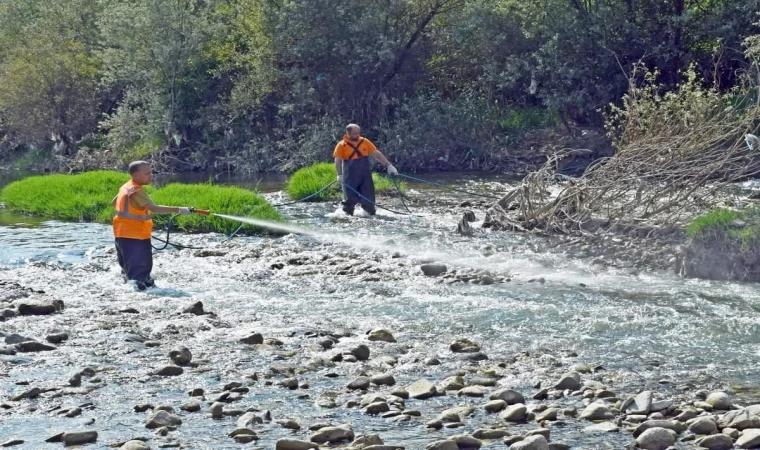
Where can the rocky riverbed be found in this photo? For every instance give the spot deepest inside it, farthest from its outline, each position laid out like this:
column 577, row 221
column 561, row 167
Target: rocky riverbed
column 373, row 334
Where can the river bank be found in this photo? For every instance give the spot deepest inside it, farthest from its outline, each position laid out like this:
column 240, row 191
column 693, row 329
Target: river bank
column 288, row 312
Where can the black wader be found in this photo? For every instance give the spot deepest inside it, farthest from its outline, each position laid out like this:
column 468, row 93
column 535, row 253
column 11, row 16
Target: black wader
column 136, row 260
column 357, row 176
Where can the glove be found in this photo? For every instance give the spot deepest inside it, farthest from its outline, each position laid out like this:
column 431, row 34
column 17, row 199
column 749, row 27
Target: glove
column 340, row 179
column 185, row 211
column 392, row 170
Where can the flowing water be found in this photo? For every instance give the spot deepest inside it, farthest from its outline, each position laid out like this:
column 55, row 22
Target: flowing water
column 647, row 329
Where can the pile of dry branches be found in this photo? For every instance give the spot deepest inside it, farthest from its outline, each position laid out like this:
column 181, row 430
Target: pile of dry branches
column 674, row 154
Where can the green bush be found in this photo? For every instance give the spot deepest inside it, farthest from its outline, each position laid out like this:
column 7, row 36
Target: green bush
column 87, row 197
column 309, row 180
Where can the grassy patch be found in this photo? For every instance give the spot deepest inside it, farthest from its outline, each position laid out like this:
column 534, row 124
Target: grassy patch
column 309, row 180
column 739, row 229
column 87, row 197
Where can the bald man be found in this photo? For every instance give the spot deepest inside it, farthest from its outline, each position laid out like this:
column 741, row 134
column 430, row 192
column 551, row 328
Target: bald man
column 354, row 168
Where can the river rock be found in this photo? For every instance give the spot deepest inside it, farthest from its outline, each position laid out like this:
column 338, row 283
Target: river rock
column 249, row 420
column 217, row 410
column 333, row 435
column 11, row 443
column 719, row 400
column 453, row 383
column 703, row 425
column 196, row 309
column 550, row 414
column 602, row 427
column 484, row 433
column 421, row 389
column 383, row 379
column 571, row 380
column 672, row 425
column 135, row 445
column 466, row 442
column 33, row 346
column 510, row 396
column 28, row 394
column 366, row 440
column 191, row 406
column 739, row 419
column 597, row 411
column 57, row 338
column 531, row 443
column 749, row 439
column 464, row 346
column 40, row 309
column 442, row 445
column 79, row 437
column 456, row 413
column 716, row 442
column 294, row 444
column 15, row 338
column 361, row 352
column 514, row 413
column 656, row 439
column 381, row 335
column 253, row 339
column 360, row 383
column 472, row 391
column 642, row 404
column 170, row 371
column 160, row 419
column 288, row 424
column 495, row 406
column 433, row 270
column 377, row 408
column 181, row 356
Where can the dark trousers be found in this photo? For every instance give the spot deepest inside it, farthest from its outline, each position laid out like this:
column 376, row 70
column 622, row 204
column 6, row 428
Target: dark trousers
column 135, row 258
column 358, row 178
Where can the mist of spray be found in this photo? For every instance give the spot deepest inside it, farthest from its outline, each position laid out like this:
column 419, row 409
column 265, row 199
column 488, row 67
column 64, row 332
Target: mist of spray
column 269, row 225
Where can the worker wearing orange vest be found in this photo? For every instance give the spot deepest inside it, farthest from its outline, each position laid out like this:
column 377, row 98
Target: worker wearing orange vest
column 132, row 225
column 354, row 170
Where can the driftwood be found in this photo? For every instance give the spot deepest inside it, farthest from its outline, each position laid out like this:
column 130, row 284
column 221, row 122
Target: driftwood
column 668, row 167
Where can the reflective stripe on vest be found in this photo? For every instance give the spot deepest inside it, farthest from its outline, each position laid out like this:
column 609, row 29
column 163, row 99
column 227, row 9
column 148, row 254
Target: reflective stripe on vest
column 125, row 210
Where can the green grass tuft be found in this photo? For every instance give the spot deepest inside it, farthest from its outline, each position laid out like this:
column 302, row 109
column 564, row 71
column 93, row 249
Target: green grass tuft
column 311, row 179
column 735, row 228
column 87, row 197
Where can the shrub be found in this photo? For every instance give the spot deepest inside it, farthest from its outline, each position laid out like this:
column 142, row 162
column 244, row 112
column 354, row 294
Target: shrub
column 87, row 197
column 731, row 228
column 309, row 180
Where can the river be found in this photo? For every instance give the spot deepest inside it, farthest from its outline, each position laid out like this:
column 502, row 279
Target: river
column 641, row 329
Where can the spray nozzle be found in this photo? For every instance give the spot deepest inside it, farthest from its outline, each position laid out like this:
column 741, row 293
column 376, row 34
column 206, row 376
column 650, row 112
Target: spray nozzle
column 205, row 212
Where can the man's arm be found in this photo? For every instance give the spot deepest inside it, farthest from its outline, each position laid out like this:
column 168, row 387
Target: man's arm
column 339, row 165
column 384, row 161
column 158, row 209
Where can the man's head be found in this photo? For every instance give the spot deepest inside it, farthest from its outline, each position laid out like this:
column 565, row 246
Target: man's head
column 353, row 131
column 141, row 172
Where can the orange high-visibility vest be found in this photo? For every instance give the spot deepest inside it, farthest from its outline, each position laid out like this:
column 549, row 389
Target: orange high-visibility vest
column 131, row 222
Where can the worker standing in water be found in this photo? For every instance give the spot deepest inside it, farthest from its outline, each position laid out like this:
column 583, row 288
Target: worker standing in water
column 132, row 225
column 352, row 163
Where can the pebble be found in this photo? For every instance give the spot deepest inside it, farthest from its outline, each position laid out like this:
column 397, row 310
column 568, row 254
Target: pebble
column 472, row 391
column 384, row 379
column 531, row 443
column 57, row 338
column 433, row 270
column 495, row 406
column 135, row 445
column 161, row 419
column 510, row 396
column 514, row 413
column 597, row 411
column 749, row 439
column 656, row 439
column 253, row 339
column 79, row 437
column 464, row 346
column 294, row 444
column 442, row 445
column 333, row 435
column 181, row 356
column 170, row 371
column 191, row 406
column 381, row 335
column 719, row 400
column 571, row 380
column 716, row 442
column 421, row 390
column 360, row 383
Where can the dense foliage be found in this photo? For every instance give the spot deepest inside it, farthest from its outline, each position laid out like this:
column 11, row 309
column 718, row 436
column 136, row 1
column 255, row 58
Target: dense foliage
column 87, row 197
column 269, row 84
